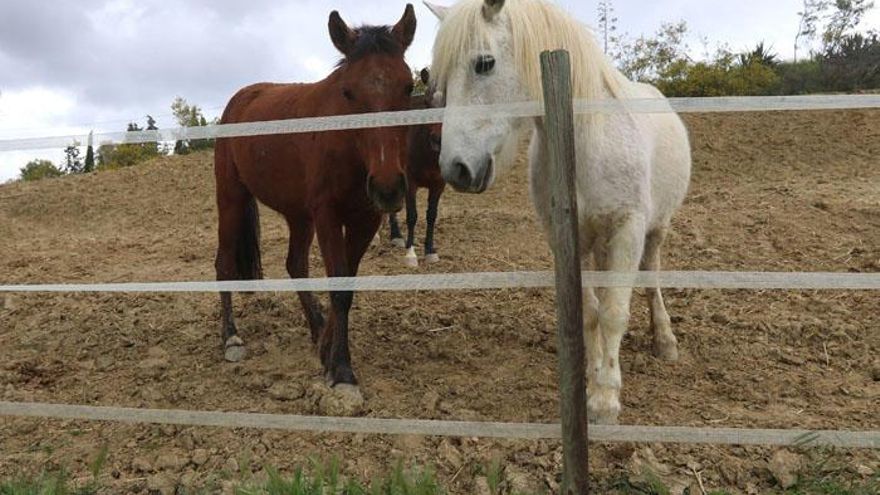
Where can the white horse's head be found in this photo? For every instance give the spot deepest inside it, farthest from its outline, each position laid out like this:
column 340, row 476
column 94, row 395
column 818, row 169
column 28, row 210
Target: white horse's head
column 487, row 52
column 473, row 149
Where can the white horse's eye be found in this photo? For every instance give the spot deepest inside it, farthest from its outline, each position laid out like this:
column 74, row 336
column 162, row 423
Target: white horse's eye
column 484, row 64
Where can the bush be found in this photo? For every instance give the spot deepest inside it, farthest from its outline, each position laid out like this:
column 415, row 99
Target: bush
column 39, row 170
column 723, row 77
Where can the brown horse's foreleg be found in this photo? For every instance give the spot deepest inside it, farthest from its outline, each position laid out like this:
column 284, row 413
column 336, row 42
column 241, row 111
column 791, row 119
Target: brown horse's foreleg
column 302, row 231
column 434, row 194
column 396, row 236
column 332, row 350
column 412, row 216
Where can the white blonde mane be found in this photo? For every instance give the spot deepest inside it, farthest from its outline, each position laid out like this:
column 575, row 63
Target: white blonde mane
column 536, row 25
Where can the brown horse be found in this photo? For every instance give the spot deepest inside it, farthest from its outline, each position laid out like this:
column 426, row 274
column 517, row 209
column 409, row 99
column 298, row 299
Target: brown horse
column 335, row 184
column 422, row 171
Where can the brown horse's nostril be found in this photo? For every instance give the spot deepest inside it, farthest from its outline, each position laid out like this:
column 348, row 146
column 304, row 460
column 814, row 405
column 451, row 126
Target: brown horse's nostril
column 387, row 199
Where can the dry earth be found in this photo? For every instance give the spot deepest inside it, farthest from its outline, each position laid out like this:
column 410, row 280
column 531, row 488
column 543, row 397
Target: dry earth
column 771, row 191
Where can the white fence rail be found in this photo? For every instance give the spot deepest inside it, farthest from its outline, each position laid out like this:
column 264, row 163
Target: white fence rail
column 494, row 281
column 527, row 431
column 430, row 116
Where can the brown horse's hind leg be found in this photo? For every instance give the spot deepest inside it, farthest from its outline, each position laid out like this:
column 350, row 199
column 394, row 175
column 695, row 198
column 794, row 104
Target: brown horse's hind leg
column 434, row 194
column 302, row 232
column 238, row 255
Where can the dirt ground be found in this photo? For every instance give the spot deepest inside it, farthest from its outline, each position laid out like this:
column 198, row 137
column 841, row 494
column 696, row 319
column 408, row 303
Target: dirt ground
column 771, row 191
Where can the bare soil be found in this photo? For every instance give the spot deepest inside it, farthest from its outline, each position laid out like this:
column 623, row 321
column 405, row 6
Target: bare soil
column 771, row 191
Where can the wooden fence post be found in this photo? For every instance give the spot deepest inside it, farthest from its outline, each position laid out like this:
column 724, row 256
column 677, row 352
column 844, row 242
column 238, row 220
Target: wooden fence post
column 559, row 134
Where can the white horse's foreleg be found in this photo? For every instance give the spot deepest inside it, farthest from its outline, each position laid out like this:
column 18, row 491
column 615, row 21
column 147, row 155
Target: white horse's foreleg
column 622, row 254
column 665, row 343
column 592, row 334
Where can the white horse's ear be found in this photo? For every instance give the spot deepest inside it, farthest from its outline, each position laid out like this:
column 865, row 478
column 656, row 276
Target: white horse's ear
column 491, row 8
column 438, row 10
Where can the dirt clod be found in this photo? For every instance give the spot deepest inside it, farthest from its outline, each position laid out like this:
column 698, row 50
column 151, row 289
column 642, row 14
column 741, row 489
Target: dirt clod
column 784, row 466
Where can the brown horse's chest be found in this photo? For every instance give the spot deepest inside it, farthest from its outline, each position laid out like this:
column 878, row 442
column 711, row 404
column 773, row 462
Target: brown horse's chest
column 296, row 174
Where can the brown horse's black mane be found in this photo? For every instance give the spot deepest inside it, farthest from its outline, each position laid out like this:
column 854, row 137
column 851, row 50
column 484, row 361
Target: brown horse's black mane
column 372, row 40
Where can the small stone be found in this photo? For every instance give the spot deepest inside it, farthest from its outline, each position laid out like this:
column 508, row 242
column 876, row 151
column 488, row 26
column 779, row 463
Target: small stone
column 481, row 486
column 410, row 443
column 161, row 484
column 232, row 465
column 8, row 303
column 141, row 465
column 154, row 366
column 784, row 466
column 430, row 402
column 172, row 461
column 199, row 457
column 287, row 391
column 520, row 481
column 792, row 360
column 157, row 353
column 875, row 373
column 449, row 454
column 864, row 470
column 104, row 362
column 342, row 400
column 188, row 479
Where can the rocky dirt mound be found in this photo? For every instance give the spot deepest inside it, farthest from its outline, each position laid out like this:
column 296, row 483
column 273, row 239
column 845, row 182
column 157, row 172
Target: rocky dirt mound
column 771, row 191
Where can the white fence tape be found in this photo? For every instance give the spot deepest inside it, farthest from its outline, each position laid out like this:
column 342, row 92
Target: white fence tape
column 494, row 281
column 529, row 431
column 429, row 116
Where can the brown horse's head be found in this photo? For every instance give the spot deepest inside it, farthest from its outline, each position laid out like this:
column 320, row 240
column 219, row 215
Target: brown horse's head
column 374, row 77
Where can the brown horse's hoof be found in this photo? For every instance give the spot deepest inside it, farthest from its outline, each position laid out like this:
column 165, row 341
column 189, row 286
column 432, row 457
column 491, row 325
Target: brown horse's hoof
column 432, row 258
column 235, row 349
column 398, row 242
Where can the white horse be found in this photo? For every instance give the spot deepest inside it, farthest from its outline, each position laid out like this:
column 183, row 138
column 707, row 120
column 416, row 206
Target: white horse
column 633, row 170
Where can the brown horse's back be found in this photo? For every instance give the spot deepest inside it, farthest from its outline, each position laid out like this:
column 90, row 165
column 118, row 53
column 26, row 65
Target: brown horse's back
column 277, row 168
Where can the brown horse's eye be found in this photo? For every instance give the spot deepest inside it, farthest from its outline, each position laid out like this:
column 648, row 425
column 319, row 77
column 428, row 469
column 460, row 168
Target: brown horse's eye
column 484, row 64
column 348, row 94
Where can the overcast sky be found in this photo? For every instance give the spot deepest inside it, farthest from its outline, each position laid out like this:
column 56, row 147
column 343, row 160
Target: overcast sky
column 67, row 66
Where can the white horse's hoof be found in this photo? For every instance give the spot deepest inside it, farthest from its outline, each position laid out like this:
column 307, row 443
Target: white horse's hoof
column 667, row 351
column 603, row 407
column 235, row 350
column 432, row 258
column 398, row 242
column 411, row 259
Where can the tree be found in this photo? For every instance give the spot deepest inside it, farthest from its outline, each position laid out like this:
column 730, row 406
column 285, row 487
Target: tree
column 73, row 164
column 189, row 116
column 607, row 24
column 646, row 58
column 809, row 20
column 844, row 20
column 89, row 165
column 39, row 170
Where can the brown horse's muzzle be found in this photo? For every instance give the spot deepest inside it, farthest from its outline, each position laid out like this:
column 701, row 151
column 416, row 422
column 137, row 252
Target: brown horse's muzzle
column 387, row 198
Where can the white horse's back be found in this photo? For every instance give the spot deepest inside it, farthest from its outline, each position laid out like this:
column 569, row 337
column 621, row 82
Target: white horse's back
column 670, row 157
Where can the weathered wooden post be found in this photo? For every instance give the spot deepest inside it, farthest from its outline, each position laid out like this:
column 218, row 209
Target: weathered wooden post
column 559, row 129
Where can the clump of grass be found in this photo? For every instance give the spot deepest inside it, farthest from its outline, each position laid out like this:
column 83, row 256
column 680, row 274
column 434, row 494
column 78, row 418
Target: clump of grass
column 45, row 484
column 326, row 479
column 56, row 482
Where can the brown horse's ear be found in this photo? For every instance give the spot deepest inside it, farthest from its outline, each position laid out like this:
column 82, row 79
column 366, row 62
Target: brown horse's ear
column 405, row 29
column 425, row 76
column 343, row 37
column 491, row 8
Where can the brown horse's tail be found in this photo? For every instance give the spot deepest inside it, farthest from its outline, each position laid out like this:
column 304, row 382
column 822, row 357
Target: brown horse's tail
column 247, row 255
